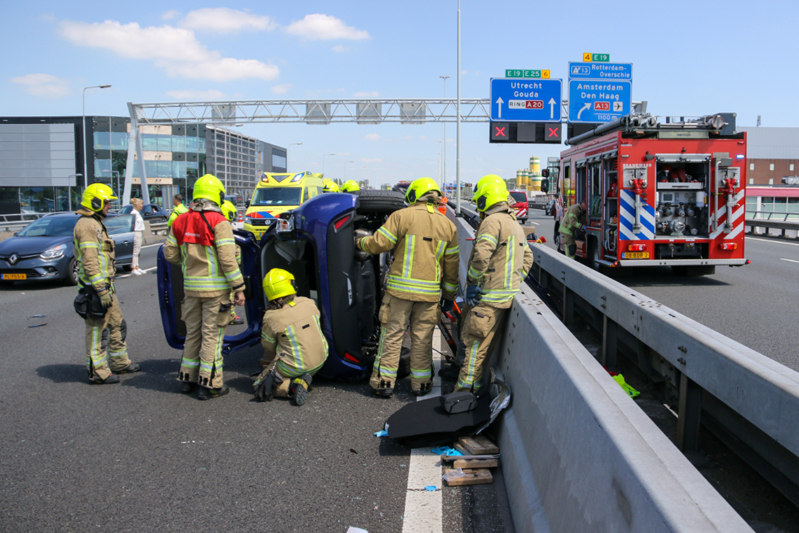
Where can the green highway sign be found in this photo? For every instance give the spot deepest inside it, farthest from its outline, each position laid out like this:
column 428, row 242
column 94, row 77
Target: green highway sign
column 527, row 74
column 604, row 58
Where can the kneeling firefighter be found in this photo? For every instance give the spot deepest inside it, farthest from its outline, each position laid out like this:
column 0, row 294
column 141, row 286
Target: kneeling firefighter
column 424, row 271
column 499, row 262
column 96, row 303
column 202, row 242
column 573, row 222
column 294, row 346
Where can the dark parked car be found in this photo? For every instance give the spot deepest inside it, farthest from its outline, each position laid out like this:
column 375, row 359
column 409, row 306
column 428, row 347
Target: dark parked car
column 43, row 250
column 549, row 208
column 315, row 243
column 151, row 212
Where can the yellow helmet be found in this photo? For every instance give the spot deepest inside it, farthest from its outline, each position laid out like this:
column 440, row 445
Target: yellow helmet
column 229, row 210
column 329, row 185
column 419, row 188
column 279, row 283
column 96, row 195
column 490, row 194
column 350, row 186
column 488, row 178
column 210, row 188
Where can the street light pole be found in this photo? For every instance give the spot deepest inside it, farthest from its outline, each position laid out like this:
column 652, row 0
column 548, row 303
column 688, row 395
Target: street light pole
column 85, row 165
column 444, row 128
column 288, row 155
column 323, row 162
column 458, row 111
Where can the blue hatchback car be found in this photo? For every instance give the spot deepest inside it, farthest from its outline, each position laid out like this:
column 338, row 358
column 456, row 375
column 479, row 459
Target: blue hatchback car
column 315, row 243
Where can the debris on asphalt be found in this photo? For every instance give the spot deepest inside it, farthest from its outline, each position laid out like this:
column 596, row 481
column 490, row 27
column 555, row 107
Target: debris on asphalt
column 353, row 451
column 356, row 530
column 37, row 316
column 37, row 325
column 445, row 450
column 383, row 433
column 431, row 488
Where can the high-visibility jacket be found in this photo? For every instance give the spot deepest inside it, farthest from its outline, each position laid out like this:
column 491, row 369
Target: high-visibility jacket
column 501, row 257
column 205, row 248
column 94, row 251
column 294, row 334
column 573, row 220
column 179, row 210
column 425, row 245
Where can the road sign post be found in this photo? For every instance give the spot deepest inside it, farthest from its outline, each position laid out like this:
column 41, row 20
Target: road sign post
column 516, row 100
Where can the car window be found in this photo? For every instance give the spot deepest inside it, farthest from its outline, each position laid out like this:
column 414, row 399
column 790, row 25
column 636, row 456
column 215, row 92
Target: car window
column 277, row 196
column 126, row 210
column 119, row 224
column 147, row 210
column 50, row 227
column 519, row 196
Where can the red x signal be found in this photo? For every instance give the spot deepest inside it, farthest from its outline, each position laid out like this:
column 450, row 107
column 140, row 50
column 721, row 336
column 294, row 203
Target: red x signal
column 499, row 132
column 553, row 132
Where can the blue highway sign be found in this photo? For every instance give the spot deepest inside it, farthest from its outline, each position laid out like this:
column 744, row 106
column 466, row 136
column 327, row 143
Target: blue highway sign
column 600, row 71
column 598, row 101
column 525, row 100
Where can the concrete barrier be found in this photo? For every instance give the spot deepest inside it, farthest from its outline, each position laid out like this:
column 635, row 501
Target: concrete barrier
column 577, row 453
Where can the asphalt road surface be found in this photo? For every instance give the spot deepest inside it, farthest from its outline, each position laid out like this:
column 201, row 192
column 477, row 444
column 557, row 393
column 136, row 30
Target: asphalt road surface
column 140, row 456
column 755, row 304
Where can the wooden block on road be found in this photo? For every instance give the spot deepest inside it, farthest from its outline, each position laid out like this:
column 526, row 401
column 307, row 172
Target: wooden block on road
column 475, row 463
column 462, row 449
column 472, row 477
column 478, row 445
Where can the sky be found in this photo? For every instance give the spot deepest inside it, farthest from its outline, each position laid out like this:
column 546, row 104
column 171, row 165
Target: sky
column 689, row 58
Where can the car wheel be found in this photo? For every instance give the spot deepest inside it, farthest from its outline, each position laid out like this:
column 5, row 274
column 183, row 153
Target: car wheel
column 72, row 272
column 379, row 202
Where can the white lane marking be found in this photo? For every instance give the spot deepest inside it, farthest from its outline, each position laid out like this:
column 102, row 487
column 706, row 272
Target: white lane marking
column 772, row 241
column 791, row 260
column 129, row 275
column 423, row 509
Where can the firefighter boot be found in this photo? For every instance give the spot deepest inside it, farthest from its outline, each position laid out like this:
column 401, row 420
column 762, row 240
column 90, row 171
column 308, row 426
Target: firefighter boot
column 301, row 387
column 131, row 368
column 424, row 388
column 187, row 387
column 449, row 373
column 113, row 378
column 211, row 393
column 385, row 390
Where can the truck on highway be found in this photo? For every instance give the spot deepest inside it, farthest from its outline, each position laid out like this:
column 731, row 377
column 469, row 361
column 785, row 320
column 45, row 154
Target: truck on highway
column 670, row 193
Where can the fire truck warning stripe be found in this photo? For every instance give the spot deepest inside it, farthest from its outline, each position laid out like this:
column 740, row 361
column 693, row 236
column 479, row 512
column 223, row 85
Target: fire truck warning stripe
column 627, row 219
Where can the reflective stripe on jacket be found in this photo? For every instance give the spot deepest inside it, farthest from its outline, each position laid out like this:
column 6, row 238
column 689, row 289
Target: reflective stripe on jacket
column 295, row 335
column 94, row 251
column 208, row 259
column 573, row 219
column 425, row 245
column 179, row 210
column 501, row 257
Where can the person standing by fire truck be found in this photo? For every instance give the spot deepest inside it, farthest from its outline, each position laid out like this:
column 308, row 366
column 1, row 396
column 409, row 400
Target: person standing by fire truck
column 572, row 223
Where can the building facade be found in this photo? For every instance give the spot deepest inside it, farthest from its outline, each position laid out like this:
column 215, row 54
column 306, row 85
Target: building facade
column 771, row 154
column 42, row 163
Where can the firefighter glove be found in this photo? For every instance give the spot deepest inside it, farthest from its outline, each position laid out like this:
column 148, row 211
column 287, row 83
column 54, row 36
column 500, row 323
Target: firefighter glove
column 106, row 299
column 446, row 305
column 473, row 295
column 265, row 387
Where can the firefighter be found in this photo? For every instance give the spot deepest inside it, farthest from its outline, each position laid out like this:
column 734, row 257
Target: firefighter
column 350, row 186
column 202, row 243
column 499, row 262
column 94, row 251
column 294, row 346
column 329, row 185
column 573, row 222
column 425, row 246
column 177, row 209
column 230, row 212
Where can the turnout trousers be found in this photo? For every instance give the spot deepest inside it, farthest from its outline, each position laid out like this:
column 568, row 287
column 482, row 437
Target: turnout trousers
column 395, row 315
column 206, row 321
column 569, row 245
column 479, row 335
column 97, row 360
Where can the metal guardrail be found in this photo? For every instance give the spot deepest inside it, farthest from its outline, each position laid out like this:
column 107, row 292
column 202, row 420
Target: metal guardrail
column 17, row 222
column 748, row 400
column 773, row 222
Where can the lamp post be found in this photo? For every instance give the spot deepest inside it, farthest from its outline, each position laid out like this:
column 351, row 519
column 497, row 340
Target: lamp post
column 85, row 166
column 288, row 155
column 444, row 134
column 440, row 144
column 323, row 162
column 458, row 136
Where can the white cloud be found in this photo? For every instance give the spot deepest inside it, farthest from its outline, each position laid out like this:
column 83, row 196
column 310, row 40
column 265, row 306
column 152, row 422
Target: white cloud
column 367, row 94
column 197, row 95
column 225, row 20
column 169, row 15
column 282, row 89
column 372, row 137
column 318, row 27
column 374, row 160
column 44, row 85
column 340, row 48
column 176, row 50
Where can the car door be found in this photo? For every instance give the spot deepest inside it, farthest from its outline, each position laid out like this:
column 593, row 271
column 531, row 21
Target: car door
column 170, row 297
column 120, row 228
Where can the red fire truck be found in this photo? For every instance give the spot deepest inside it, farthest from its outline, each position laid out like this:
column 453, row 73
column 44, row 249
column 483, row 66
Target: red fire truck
column 670, row 193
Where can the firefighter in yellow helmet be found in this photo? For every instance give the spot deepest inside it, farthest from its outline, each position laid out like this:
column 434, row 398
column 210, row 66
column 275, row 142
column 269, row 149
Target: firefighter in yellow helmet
column 499, row 262
column 572, row 224
column 294, row 346
column 202, row 242
column 177, row 209
column 329, row 185
column 350, row 186
column 97, row 304
column 230, row 212
column 421, row 283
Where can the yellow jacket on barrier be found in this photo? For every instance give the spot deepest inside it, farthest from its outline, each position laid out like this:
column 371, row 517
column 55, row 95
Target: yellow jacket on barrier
column 425, row 245
column 94, row 250
column 501, row 257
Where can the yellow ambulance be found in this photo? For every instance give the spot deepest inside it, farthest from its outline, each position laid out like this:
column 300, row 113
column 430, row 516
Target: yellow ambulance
column 276, row 193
